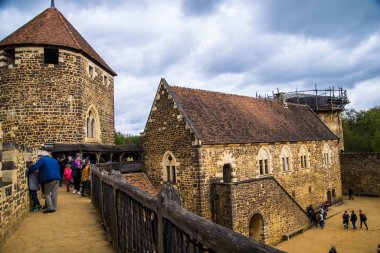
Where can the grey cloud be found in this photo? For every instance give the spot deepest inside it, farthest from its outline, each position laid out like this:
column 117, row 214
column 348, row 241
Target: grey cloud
column 336, row 18
column 199, row 7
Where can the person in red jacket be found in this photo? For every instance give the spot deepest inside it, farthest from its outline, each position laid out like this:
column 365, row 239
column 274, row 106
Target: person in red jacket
column 67, row 176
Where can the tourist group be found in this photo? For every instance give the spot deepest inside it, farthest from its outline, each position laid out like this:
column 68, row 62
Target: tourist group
column 48, row 173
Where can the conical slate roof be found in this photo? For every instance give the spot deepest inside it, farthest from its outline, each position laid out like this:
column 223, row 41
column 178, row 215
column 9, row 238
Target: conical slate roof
column 52, row 28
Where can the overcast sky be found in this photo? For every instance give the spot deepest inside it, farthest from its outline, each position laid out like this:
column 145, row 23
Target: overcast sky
column 234, row 46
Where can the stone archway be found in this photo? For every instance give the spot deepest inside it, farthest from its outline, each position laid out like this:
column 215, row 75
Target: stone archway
column 256, row 228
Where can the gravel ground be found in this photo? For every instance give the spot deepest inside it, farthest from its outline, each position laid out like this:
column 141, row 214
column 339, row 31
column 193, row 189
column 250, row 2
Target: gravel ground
column 316, row 240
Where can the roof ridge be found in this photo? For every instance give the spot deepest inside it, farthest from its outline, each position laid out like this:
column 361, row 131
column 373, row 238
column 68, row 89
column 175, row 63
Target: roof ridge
column 67, row 28
column 235, row 95
column 224, row 93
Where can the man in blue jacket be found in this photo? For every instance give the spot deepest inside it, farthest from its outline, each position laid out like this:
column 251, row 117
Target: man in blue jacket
column 49, row 176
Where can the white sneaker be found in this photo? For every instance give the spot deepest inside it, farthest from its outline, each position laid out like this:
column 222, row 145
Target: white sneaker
column 75, row 191
column 78, row 192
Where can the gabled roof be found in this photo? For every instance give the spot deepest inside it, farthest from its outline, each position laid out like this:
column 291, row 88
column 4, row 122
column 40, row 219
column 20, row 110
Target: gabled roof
column 51, row 28
column 220, row 118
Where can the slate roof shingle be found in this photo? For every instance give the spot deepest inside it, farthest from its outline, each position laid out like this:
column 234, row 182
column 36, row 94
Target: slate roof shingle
column 220, row 118
column 51, row 28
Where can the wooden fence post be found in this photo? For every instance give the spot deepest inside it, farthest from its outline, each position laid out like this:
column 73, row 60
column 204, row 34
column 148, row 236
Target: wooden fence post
column 167, row 193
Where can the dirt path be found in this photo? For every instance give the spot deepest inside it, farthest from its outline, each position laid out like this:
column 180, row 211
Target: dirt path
column 73, row 228
column 346, row 241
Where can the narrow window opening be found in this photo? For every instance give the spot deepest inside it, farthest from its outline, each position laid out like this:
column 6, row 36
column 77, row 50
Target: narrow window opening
column 105, row 80
column 92, row 128
column 333, row 193
column 266, row 166
column 91, row 71
column 51, row 55
column 10, row 56
column 227, row 173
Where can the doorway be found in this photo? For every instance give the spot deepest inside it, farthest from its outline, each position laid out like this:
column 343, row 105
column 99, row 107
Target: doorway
column 329, row 197
column 256, row 228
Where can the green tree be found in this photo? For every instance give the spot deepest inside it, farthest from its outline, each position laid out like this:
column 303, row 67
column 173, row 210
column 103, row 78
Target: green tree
column 121, row 139
column 361, row 130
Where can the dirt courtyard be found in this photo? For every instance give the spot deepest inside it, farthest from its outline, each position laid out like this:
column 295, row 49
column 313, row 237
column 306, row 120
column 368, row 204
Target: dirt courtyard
column 316, row 240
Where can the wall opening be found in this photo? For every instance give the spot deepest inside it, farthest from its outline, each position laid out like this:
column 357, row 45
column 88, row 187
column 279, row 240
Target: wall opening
column 256, row 228
column 329, row 197
column 51, row 55
column 227, row 170
column 10, row 56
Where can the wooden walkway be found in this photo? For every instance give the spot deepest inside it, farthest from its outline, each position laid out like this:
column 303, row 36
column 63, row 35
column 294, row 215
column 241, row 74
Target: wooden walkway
column 74, row 228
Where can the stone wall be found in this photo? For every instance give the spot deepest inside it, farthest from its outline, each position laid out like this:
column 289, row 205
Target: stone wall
column 166, row 130
column 306, row 185
column 42, row 103
column 361, row 172
column 263, row 196
column 14, row 193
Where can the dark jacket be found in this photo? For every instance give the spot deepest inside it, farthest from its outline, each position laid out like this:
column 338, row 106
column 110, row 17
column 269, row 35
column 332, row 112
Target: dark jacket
column 362, row 217
column 346, row 217
column 353, row 217
column 49, row 169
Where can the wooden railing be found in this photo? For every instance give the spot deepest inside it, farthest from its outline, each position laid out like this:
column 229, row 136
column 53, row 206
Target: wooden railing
column 138, row 222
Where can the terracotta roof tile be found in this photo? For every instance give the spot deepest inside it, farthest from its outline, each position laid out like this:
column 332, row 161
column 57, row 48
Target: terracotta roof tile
column 51, row 28
column 221, row 118
column 141, row 181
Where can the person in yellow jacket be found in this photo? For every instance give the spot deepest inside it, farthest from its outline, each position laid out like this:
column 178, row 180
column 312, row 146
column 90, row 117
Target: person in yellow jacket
column 85, row 177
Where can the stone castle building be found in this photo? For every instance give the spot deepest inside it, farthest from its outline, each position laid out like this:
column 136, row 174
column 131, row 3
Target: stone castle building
column 54, row 87
column 253, row 165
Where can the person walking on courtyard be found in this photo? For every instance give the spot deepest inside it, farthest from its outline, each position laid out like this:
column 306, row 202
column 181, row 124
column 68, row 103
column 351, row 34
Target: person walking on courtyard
column 33, row 187
column 68, row 177
column 77, row 173
column 49, row 176
column 346, row 219
column 350, row 192
column 85, row 177
column 353, row 219
column 317, row 219
column 321, row 220
column 333, row 249
column 363, row 219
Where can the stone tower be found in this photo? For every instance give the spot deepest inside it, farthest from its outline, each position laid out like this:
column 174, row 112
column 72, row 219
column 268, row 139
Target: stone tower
column 54, row 87
column 328, row 104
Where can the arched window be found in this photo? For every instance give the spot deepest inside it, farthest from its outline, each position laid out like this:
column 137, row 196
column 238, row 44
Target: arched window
column 327, row 160
column 304, row 157
column 264, row 161
column 285, row 159
column 92, row 125
column 169, row 168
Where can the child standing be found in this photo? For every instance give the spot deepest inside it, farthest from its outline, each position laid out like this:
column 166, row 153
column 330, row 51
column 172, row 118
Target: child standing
column 33, row 188
column 85, row 176
column 68, row 176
